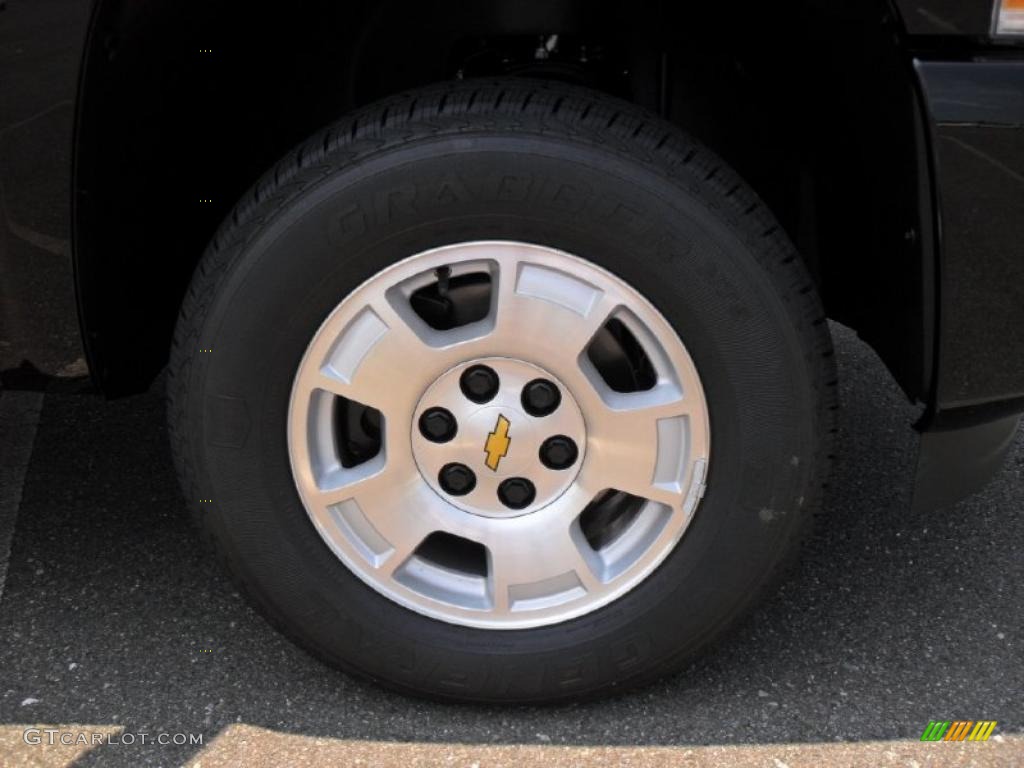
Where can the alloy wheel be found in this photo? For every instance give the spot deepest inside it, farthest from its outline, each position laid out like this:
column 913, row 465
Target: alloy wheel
column 498, row 435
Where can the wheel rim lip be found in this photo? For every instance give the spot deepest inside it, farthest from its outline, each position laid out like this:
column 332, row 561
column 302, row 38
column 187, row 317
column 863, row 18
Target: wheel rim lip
column 694, row 475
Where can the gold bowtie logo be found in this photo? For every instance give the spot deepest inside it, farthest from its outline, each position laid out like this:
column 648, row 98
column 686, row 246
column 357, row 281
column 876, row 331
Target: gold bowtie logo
column 497, row 443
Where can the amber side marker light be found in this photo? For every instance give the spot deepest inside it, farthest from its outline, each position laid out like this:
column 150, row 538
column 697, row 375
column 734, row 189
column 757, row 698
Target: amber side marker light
column 1009, row 17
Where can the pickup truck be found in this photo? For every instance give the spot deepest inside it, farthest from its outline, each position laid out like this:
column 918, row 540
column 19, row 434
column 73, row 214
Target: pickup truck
column 494, row 333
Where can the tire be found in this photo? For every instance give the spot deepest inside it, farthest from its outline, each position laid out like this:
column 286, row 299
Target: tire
column 572, row 172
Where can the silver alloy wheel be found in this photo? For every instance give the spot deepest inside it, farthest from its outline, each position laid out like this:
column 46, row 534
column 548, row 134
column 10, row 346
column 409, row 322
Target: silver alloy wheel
column 466, row 556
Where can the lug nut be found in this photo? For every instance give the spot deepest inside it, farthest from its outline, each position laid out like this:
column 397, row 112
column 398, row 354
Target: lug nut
column 438, row 425
column 516, row 492
column 558, row 452
column 456, row 479
column 540, row 397
column 479, row 383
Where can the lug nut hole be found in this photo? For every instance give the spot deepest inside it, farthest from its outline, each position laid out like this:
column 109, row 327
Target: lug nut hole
column 541, row 397
column 438, row 425
column 479, row 383
column 516, row 492
column 456, row 479
column 558, row 452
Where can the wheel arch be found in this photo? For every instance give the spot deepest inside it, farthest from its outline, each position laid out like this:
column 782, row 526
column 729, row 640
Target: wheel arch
column 180, row 110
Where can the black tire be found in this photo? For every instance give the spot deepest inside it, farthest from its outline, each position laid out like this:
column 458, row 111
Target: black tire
column 516, row 160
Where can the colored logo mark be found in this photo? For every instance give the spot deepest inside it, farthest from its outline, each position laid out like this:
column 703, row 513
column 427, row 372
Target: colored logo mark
column 497, row 444
column 958, row 730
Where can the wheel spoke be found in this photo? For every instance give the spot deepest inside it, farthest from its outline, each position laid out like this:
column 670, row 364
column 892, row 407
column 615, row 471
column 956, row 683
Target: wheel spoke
column 394, row 512
column 407, row 523
column 365, row 362
column 547, row 563
column 556, row 314
column 638, row 447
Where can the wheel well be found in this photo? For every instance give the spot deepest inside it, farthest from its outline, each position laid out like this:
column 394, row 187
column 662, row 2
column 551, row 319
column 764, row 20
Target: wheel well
column 183, row 105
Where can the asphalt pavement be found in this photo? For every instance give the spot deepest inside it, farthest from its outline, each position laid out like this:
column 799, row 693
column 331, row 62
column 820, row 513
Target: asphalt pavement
column 113, row 619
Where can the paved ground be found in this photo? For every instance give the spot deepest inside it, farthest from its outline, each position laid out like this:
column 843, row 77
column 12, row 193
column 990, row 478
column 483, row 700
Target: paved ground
column 113, row 619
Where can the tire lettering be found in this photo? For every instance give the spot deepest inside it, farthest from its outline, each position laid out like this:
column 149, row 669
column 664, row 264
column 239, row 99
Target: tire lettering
column 515, row 188
column 451, row 190
column 349, row 223
column 398, row 201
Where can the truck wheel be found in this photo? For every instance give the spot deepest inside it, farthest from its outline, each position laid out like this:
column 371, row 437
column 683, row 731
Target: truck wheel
column 502, row 391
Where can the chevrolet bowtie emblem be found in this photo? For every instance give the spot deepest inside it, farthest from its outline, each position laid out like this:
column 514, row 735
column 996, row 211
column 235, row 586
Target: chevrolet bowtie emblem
column 497, row 444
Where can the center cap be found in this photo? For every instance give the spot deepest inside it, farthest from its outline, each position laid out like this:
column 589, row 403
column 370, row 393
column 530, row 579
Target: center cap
column 498, row 437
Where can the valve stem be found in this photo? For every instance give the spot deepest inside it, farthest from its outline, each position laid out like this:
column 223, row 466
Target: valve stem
column 443, row 275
